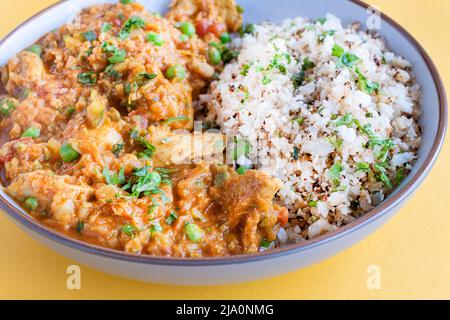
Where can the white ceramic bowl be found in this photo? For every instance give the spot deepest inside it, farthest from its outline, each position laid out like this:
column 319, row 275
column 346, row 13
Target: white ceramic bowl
column 185, row 271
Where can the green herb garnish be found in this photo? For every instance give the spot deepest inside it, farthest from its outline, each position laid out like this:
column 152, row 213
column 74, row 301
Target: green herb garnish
column 172, row 217
column 87, row 78
column 130, row 25
column 89, row 35
column 114, row 179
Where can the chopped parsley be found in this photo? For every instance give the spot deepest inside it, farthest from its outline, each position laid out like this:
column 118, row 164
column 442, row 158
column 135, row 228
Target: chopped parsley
column 321, row 20
column 130, row 25
column 365, row 85
column 324, row 34
column 114, row 179
column 266, row 80
column 117, row 149
column 87, row 78
column 400, row 175
column 382, row 176
column 335, row 172
column 149, row 149
column 106, row 27
column 171, row 218
column 143, row 182
column 116, row 55
column 245, row 69
column 335, row 141
column 362, row 167
column 295, row 153
column 345, row 58
column 298, row 120
column 89, row 35
column 298, row 78
column 165, row 174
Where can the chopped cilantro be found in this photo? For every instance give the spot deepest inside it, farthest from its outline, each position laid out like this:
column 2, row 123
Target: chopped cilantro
column 89, row 35
column 117, row 149
column 362, row 167
column 106, row 27
column 87, row 78
column 130, row 25
column 171, row 218
column 114, row 179
column 335, row 170
column 143, row 182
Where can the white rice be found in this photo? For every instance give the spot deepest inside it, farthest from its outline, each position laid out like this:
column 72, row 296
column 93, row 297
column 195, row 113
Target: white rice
column 317, row 157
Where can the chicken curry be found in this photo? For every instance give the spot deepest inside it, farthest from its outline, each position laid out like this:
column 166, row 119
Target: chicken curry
column 93, row 115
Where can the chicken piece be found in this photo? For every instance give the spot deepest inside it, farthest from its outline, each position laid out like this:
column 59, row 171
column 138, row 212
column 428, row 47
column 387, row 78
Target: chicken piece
column 209, row 16
column 34, row 113
column 59, row 197
column 163, row 100
column 94, row 138
column 185, row 148
column 24, row 155
column 247, row 201
column 191, row 187
column 25, row 70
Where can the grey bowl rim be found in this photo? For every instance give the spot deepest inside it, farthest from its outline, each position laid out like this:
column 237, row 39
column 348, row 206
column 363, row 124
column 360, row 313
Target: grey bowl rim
column 289, row 249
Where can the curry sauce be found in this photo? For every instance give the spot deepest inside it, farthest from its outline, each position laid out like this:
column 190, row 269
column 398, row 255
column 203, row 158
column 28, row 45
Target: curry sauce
column 89, row 120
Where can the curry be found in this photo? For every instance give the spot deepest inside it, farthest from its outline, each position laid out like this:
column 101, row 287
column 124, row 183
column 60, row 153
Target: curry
column 90, row 123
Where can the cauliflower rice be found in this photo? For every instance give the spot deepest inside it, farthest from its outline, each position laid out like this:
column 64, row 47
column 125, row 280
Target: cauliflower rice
column 327, row 109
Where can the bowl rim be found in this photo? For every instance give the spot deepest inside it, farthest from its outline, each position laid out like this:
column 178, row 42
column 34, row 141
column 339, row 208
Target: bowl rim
column 288, row 249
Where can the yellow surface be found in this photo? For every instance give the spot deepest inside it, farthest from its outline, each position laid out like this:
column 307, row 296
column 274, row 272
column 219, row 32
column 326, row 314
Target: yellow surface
column 412, row 250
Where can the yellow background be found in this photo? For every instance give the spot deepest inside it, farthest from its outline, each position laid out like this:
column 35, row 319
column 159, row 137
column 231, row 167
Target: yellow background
column 412, row 250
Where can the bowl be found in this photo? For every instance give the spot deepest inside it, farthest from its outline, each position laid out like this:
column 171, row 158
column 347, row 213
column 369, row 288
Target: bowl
column 220, row 270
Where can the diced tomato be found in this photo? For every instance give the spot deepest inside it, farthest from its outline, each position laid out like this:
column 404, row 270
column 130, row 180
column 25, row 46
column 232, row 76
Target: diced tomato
column 283, row 217
column 217, row 28
column 202, row 27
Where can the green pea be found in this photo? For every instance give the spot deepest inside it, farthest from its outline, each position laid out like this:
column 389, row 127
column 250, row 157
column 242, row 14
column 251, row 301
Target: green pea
column 194, row 232
column 6, row 107
column 187, row 28
column 214, row 56
column 31, row 203
column 31, row 132
column 242, row 170
column 177, row 72
column 155, row 38
column 127, row 1
column 225, row 37
column 36, row 49
column 67, row 153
